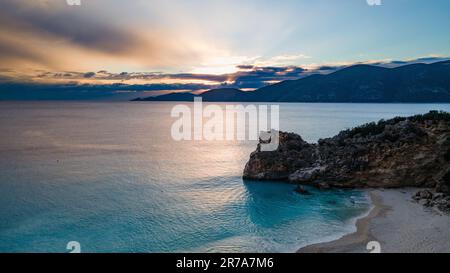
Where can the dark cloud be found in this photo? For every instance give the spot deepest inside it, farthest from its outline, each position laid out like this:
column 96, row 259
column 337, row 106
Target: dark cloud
column 261, row 76
column 52, row 35
column 329, row 68
column 13, row 51
column 245, row 66
column 399, row 62
column 253, row 78
column 4, row 78
column 89, row 75
column 426, row 60
column 86, row 31
column 430, row 59
column 205, row 77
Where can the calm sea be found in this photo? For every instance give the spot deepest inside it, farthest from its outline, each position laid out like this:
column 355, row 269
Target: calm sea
column 109, row 176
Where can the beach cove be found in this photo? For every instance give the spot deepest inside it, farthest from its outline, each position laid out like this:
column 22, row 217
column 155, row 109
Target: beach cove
column 398, row 223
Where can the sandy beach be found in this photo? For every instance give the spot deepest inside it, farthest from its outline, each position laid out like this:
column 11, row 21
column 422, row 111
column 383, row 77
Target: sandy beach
column 399, row 224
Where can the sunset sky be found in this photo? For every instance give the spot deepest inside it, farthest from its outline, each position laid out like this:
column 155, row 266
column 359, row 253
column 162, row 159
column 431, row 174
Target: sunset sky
column 196, row 44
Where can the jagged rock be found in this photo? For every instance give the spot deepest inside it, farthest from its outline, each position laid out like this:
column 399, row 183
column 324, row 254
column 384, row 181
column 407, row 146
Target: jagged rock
column 302, row 190
column 306, row 174
column 428, row 198
column 401, row 152
column 438, row 196
column 444, row 186
column 425, row 202
column 292, row 155
column 425, row 194
column 322, row 186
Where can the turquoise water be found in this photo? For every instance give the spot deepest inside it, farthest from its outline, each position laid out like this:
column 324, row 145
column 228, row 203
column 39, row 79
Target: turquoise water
column 109, row 176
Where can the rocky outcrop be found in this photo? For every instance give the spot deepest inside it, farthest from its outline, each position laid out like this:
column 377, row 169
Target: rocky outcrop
column 430, row 198
column 400, row 152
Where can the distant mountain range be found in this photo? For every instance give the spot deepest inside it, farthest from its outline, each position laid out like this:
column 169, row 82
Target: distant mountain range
column 358, row 83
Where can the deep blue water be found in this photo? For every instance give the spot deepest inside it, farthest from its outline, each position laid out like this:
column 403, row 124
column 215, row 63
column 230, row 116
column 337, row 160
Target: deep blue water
column 109, row 176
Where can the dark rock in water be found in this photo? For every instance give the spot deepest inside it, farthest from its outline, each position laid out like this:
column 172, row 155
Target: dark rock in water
column 302, row 190
column 401, row 152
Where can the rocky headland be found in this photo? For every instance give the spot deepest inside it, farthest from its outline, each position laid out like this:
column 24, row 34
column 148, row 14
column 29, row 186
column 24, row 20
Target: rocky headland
column 395, row 153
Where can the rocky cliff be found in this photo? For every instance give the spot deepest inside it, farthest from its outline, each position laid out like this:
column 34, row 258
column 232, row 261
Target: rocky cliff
column 400, row 152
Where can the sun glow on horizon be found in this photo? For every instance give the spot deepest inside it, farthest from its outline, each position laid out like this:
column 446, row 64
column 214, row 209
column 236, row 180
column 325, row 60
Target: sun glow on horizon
column 209, row 44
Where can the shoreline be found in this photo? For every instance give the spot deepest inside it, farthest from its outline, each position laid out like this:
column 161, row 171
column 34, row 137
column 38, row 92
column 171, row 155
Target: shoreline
column 352, row 240
column 397, row 223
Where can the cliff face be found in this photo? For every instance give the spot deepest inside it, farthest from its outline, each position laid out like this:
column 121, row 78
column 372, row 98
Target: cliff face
column 400, row 152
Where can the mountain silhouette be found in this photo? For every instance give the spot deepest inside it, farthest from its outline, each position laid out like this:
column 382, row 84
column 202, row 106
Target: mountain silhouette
column 357, row 83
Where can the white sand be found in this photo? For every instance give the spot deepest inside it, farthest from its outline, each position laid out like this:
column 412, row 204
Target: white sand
column 398, row 223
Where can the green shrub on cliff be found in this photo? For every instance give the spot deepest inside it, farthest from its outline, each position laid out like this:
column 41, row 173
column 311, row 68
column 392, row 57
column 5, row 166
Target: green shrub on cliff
column 432, row 115
column 375, row 128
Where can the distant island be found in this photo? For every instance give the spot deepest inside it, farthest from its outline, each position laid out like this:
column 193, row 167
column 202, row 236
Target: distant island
column 414, row 83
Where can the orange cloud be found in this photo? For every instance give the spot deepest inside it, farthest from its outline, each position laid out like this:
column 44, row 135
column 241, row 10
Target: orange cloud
column 37, row 35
